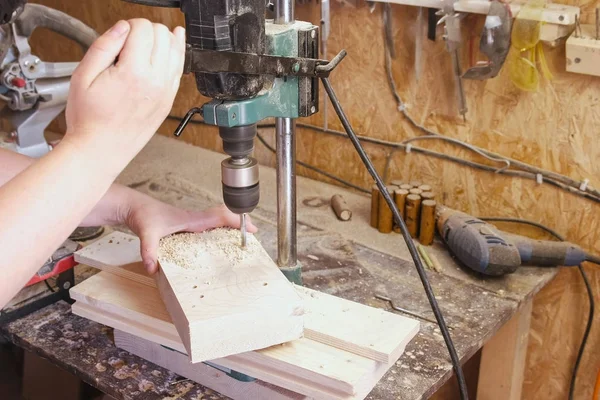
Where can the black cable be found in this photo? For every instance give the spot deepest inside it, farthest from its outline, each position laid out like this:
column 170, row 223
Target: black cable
column 427, row 152
column 586, row 281
column 462, row 385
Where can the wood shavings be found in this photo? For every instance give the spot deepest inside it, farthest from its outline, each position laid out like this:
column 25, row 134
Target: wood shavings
column 184, row 249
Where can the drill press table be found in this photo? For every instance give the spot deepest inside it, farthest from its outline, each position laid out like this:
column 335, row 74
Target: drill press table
column 347, row 259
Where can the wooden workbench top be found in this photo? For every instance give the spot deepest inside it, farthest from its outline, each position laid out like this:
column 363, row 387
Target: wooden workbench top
column 347, row 259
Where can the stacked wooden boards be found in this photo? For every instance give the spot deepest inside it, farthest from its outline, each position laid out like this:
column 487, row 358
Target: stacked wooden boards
column 346, row 349
column 210, row 293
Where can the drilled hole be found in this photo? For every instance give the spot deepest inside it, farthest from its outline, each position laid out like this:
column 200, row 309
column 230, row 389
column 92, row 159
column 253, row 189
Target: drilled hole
column 195, row 286
column 201, row 296
column 265, row 284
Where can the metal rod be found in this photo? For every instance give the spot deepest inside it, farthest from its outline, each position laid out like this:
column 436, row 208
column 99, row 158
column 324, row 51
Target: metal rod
column 286, row 192
column 286, row 167
column 284, row 11
column 243, row 228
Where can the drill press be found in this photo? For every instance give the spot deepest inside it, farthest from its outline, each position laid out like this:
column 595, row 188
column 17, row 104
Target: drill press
column 254, row 68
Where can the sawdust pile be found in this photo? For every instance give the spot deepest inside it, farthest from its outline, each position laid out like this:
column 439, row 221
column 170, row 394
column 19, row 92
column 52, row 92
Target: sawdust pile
column 186, row 249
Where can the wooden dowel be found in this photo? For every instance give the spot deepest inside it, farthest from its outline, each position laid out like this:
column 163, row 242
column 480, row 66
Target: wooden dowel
column 412, row 210
column 415, row 191
column 386, row 219
column 425, row 188
column 400, row 200
column 427, row 226
column 428, row 196
column 340, row 208
column 374, row 206
column 415, row 184
column 406, row 186
column 396, row 182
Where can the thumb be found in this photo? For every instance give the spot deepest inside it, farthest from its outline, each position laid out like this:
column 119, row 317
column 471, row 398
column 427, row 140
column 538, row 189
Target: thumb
column 149, row 243
column 103, row 52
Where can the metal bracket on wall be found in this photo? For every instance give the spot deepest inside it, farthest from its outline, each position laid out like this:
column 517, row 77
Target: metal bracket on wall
column 559, row 19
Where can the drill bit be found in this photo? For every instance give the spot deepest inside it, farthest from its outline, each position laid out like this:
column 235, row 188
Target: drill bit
column 243, row 228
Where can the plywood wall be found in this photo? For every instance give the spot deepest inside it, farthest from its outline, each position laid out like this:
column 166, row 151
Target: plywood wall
column 555, row 128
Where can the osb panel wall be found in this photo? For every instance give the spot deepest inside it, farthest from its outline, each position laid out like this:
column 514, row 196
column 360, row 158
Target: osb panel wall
column 554, row 128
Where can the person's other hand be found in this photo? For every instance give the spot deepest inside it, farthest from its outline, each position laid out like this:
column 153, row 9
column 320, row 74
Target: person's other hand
column 151, row 220
column 125, row 86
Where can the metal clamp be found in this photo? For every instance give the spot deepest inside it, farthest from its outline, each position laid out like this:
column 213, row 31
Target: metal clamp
column 213, row 61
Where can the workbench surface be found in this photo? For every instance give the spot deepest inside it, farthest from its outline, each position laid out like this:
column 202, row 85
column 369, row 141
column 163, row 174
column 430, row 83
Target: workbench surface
column 346, row 259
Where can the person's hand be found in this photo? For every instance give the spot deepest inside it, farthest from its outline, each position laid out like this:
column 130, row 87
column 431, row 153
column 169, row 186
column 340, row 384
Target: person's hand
column 125, row 86
column 151, row 220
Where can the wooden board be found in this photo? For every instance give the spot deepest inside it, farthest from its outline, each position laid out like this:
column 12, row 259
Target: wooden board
column 223, row 299
column 350, row 326
column 363, row 330
column 503, row 359
column 303, row 366
column 206, row 375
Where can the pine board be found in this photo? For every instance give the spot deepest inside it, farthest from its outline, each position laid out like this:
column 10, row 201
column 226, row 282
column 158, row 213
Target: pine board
column 210, row 302
column 347, row 325
column 204, row 374
column 303, row 366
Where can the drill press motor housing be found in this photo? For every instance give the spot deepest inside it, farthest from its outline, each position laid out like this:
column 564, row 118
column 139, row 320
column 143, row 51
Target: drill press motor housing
column 247, row 88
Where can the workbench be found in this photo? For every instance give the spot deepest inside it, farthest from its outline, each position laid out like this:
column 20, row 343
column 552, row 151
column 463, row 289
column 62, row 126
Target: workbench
column 346, row 259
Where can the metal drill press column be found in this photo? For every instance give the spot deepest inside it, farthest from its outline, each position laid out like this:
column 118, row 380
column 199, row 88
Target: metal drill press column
column 286, row 175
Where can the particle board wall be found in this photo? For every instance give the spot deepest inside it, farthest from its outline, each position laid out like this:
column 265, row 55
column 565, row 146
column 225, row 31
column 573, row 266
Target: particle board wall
column 554, row 128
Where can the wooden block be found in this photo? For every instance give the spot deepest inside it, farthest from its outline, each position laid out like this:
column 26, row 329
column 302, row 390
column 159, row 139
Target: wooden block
column 340, row 207
column 328, row 319
column 116, row 251
column 386, row 218
column 223, row 299
column 205, row 375
column 400, row 200
column 374, row 206
column 413, row 210
column 502, row 367
column 427, row 226
column 583, row 52
column 303, row 366
column 354, row 327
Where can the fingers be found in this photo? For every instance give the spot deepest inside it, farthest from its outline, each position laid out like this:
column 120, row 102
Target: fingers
column 161, row 49
column 177, row 55
column 138, row 48
column 149, row 251
column 102, row 54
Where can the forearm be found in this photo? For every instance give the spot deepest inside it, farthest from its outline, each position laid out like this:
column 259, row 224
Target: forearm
column 110, row 210
column 33, row 223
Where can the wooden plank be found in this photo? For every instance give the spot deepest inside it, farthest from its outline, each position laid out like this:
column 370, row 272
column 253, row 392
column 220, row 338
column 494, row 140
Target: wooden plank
column 205, row 375
column 502, row 367
column 303, row 366
column 363, row 330
column 350, row 326
column 118, row 253
column 223, row 299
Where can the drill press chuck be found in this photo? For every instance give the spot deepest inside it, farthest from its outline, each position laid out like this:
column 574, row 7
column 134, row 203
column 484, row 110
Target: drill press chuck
column 239, row 173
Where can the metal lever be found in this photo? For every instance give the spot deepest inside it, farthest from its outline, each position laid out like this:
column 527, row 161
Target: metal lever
column 190, row 114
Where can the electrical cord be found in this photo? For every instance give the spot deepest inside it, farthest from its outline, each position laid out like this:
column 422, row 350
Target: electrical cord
column 407, row 238
column 553, row 178
column 586, row 281
column 313, row 168
column 427, row 152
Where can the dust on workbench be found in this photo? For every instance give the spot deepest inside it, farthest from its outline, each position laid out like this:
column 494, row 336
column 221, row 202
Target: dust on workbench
column 86, row 349
column 186, row 249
